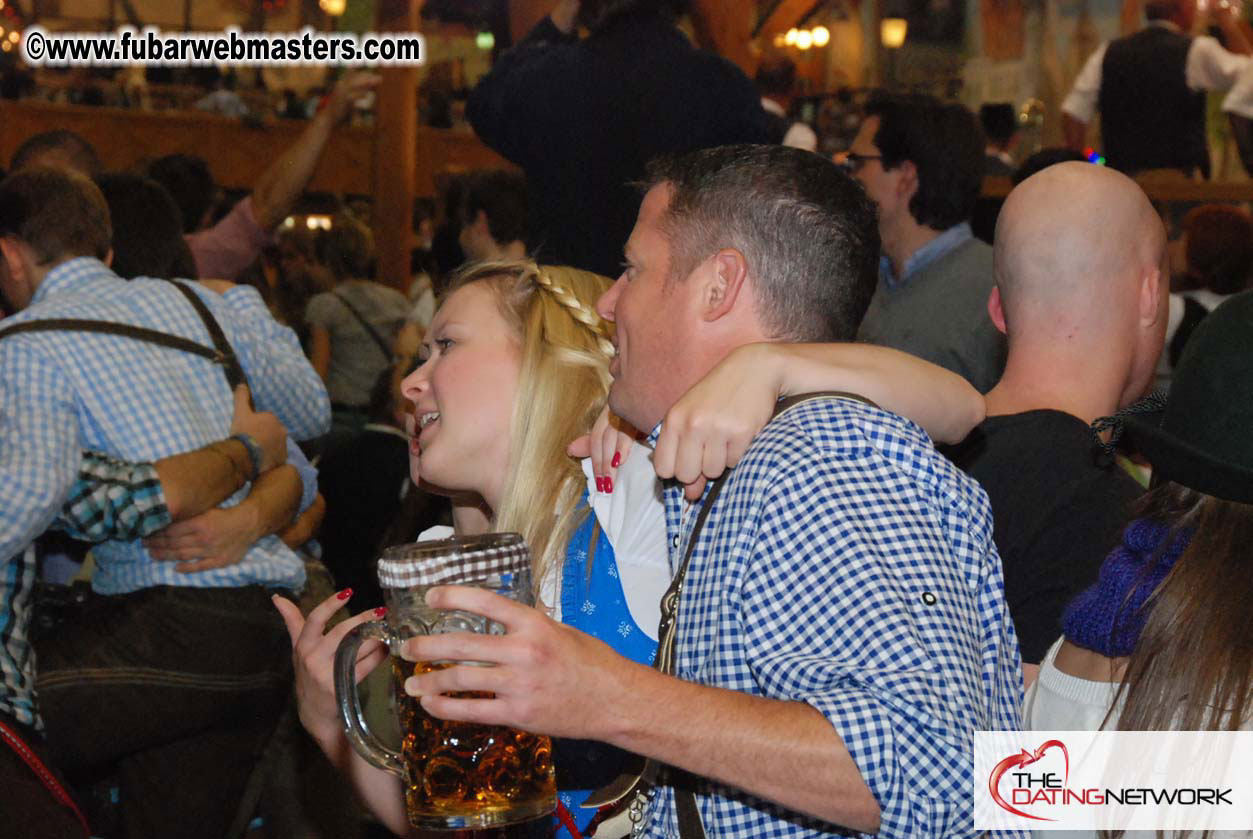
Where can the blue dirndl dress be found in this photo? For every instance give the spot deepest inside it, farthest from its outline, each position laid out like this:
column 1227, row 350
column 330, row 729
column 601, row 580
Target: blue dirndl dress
column 595, row 603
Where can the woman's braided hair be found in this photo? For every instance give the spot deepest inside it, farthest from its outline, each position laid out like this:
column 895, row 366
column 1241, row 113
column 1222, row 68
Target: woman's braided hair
column 579, row 310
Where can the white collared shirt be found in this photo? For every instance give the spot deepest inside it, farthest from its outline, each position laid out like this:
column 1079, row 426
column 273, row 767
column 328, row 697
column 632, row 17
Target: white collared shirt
column 799, row 135
column 1208, row 67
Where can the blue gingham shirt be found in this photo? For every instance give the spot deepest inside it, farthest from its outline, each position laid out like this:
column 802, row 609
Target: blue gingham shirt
column 62, row 392
column 849, row 566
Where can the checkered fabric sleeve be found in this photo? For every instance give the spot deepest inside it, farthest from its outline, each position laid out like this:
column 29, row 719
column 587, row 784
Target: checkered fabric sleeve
column 282, row 380
column 114, row 499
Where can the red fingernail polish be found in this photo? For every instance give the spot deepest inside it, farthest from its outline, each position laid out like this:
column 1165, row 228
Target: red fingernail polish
column 600, row 484
column 381, row 611
column 617, row 460
column 608, row 484
column 344, row 595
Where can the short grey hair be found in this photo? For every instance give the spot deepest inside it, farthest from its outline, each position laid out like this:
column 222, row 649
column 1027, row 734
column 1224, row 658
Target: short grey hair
column 806, row 229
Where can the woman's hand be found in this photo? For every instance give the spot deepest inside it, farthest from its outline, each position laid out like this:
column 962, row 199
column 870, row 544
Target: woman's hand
column 608, row 444
column 313, row 659
column 711, row 426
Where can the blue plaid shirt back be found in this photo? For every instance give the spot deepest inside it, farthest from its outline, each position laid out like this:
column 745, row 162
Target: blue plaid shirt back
column 849, row 566
column 62, row 392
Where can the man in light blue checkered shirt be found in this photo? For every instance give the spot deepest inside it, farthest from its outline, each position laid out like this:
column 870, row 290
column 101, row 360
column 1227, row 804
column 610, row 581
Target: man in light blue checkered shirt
column 64, row 391
column 842, row 630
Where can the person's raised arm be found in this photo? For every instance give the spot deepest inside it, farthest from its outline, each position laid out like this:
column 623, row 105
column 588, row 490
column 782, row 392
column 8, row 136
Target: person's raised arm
column 712, row 425
column 1230, row 23
column 282, row 184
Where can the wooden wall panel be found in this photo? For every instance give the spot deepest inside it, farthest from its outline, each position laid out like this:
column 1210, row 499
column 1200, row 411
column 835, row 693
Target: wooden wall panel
column 237, row 154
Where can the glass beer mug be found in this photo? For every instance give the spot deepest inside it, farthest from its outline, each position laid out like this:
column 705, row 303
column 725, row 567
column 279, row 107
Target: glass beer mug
column 456, row 774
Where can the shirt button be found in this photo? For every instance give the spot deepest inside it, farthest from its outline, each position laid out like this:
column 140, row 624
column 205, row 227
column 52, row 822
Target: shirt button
column 929, row 598
column 675, row 541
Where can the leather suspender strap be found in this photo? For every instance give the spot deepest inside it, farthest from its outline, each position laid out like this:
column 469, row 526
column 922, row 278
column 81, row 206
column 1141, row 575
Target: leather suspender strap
column 230, row 363
column 383, row 346
column 151, row 336
column 222, row 353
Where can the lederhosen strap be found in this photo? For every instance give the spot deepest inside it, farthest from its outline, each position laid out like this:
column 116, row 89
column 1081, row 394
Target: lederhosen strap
column 383, row 346
column 221, row 353
column 683, row 783
column 230, row 362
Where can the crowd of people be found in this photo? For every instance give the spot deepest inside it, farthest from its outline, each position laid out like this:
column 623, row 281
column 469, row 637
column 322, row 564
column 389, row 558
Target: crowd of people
column 907, row 483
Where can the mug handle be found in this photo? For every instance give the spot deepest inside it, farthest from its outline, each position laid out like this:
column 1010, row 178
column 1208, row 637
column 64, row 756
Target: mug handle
column 350, row 712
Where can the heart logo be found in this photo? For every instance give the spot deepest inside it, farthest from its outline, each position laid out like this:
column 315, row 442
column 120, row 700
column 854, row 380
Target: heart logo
column 1024, row 758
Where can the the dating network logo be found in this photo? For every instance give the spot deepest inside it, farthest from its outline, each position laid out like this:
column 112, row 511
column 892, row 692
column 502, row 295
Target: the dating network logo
column 1046, row 781
column 1084, row 780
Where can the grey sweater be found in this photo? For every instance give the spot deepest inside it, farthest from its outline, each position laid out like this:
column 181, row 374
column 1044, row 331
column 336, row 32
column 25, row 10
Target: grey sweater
column 940, row 314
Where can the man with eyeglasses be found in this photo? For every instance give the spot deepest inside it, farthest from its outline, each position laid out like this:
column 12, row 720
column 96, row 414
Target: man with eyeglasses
column 921, row 161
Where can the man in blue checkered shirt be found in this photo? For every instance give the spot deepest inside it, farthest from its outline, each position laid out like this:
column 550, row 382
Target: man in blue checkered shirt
column 180, row 675
column 842, row 630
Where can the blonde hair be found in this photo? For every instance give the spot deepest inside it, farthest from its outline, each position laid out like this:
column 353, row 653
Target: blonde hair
column 562, row 386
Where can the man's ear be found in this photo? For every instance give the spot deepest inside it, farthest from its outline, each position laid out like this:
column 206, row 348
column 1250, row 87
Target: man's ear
column 12, row 257
column 15, row 273
column 1151, row 291
column 996, row 311
column 724, row 283
column 907, row 183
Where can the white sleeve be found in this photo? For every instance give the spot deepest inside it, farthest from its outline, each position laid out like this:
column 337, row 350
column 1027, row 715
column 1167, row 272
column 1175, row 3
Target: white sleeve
column 801, row 136
column 1081, row 101
column 633, row 518
column 1210, row 67
column 1239, row 100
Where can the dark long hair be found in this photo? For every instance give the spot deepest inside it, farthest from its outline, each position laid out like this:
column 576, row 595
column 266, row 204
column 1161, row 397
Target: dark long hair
column 1192, row 668
column 1192, row 665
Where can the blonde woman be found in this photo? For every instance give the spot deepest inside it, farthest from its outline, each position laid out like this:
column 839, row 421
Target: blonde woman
column 514, row 366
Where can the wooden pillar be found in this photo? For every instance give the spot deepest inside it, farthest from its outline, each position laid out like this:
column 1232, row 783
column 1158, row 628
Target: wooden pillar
column 395, row 151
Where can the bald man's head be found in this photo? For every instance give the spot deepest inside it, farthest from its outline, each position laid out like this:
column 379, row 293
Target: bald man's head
column 1081, row 278
column 1073, row 242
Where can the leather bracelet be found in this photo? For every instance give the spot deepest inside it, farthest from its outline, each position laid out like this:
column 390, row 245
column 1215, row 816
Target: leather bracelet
column 254, row 453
